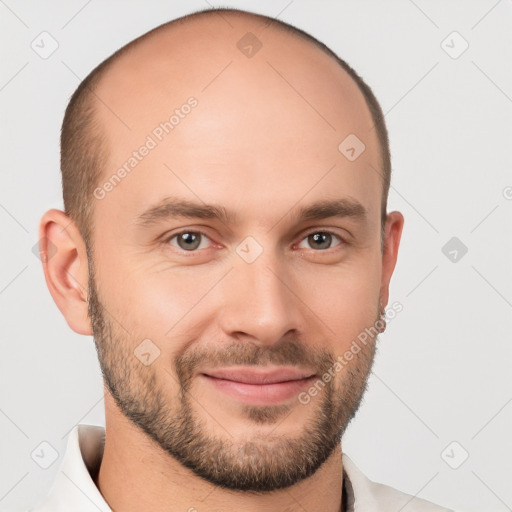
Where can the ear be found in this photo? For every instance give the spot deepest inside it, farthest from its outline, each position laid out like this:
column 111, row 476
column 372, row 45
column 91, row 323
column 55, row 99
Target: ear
column 63, row 254
column 392, row 234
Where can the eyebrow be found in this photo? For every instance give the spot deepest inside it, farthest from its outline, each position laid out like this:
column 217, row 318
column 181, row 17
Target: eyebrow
column 171, row 207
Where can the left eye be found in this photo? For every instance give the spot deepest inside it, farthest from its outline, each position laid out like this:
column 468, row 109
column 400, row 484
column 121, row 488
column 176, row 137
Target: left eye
column 189, row 240
column 320, row 240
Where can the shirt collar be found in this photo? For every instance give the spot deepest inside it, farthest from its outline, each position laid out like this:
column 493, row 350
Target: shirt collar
column 74, row 487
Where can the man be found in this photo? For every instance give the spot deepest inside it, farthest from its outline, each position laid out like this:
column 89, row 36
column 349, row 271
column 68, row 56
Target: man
column 226, row 240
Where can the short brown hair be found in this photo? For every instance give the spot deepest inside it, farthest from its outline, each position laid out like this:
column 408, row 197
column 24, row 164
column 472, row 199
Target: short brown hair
column 84, row 151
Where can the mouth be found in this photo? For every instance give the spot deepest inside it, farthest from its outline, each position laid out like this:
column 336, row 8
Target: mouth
column 259, row 386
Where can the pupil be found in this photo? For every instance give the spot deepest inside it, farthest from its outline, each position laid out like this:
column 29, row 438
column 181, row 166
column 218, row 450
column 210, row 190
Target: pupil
column 188, row 241
column 322, row 240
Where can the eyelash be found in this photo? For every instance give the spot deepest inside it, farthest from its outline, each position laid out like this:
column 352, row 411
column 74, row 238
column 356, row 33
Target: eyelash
column 168, row 239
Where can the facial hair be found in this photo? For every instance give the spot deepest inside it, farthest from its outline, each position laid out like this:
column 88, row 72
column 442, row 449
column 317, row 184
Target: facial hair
column 256, row 463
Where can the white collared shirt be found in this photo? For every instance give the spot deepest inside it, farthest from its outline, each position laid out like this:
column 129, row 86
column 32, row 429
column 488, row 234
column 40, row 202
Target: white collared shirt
column 74, row 489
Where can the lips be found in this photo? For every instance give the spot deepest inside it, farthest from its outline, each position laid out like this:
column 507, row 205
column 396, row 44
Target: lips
column 253, row 375
column 259, row 386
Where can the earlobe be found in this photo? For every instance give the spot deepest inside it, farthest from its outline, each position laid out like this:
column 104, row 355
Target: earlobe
column 392, row 234
column 64, row 257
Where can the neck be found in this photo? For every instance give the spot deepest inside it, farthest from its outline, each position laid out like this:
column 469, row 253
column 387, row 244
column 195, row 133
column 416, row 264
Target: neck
column 136, row 474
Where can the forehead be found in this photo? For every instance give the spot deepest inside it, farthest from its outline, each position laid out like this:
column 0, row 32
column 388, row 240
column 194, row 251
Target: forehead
column 216, row 117
column 204, row 59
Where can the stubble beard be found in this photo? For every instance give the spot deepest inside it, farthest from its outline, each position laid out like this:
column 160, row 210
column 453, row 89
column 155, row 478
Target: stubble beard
column 256, row 463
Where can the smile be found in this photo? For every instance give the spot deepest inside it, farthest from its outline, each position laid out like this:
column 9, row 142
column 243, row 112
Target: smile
column 259, row 386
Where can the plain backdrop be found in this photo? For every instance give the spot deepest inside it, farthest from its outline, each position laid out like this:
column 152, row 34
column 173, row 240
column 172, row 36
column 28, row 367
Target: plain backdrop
column 441, row 387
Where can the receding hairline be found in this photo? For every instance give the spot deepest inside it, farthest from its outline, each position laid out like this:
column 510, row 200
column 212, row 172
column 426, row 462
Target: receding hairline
column 85, row 98
column 101, row 72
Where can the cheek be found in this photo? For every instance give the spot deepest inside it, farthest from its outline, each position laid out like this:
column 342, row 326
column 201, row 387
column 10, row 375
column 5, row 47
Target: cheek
column 345, row 298
column 159, row 304
column 173, row 304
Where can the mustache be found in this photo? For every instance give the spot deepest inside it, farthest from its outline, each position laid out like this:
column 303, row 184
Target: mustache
column 285, row 352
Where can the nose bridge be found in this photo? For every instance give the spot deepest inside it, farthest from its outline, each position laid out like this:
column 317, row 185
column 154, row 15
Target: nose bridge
column 257, row 301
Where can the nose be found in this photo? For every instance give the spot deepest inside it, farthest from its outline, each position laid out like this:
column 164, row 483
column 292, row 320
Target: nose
column 259, row 302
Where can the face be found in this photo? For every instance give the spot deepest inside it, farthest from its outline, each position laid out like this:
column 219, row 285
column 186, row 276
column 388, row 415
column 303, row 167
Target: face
column 237, row 258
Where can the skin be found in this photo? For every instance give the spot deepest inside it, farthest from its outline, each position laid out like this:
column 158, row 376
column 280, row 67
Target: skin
column 255, row 147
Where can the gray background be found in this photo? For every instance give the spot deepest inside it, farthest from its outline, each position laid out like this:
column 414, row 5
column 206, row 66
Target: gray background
column 442, row 372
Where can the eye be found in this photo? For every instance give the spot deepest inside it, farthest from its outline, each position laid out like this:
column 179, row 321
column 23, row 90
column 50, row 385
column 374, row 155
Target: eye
column 189, row 240
column 320, row 240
